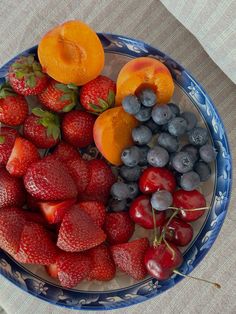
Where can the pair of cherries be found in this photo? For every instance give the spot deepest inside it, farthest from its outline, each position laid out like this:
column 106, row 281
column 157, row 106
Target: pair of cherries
column 163, row 258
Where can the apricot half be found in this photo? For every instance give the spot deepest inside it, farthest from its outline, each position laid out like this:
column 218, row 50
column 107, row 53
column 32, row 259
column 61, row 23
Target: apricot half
column 112, row 133
column 145, row 72
column 71, row 53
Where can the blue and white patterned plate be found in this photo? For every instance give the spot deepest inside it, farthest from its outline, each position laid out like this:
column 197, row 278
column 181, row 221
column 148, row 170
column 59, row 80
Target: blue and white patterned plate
column 122, row 291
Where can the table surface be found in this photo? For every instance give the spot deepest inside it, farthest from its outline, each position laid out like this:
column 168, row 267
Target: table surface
column 22, row 25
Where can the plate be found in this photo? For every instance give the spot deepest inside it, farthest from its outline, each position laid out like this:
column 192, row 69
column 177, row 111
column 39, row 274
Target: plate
column 123, row 291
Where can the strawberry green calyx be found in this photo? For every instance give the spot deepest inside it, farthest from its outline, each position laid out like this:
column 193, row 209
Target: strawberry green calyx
column 2, row 139
column 6, row 90
column 27, row 68
column 50, row 121
column 70, row 93
column 104, row 104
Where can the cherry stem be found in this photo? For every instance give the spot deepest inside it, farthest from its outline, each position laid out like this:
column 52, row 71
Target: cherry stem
column 172, row 216
column 215, row 284
column 188, row 210
column 170, row 248
column 155, row 241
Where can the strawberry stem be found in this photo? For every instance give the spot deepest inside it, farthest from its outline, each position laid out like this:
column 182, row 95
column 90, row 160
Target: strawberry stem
column 215, row 284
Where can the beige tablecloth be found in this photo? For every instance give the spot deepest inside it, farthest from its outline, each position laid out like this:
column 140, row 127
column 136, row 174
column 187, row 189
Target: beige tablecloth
column 22, row 23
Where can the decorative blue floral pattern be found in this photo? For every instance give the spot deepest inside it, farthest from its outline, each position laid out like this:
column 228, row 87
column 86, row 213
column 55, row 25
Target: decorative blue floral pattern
column 150, row 287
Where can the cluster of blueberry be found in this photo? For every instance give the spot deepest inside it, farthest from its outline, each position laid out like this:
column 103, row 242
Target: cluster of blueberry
column 166, row 127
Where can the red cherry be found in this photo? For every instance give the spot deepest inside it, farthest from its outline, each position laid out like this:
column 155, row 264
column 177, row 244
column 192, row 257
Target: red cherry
column 189, row 200
column 179, row 232
column 141, row 213
column 161, row 260
column 153, row 179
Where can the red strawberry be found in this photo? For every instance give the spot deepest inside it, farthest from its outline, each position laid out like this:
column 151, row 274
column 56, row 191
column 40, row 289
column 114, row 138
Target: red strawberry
column 129, row 257
column 96, row 210
column 23, row 154
column 78, row 169
column 26, row 76
column 42, row 128
column 49, row 180
column 78, row 231
column 7, row 140
column 98, row 94
column 101, row 180
column 52, row 270
column 12, row 191
column 59, row 97
column 72, row 268
column 35, row 217
column 77, row 128
column 55, row 211
column 103, row 267
column 13, row 107
column 36, row 245
column 12, row 223
column 32, row 203
column 65, row 152
column 119, row 227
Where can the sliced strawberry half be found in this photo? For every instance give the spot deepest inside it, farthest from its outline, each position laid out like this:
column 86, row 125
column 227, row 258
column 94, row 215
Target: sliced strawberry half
column 78, row 231
column 79, row 171
column 55, row 211
column 23, row 154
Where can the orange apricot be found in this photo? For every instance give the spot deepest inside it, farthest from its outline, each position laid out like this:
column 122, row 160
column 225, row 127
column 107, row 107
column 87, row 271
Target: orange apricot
column 112, row 133
column 71, row 53
column 143, row 72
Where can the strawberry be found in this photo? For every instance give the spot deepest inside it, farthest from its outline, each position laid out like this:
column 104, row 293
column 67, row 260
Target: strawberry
column 12, row 223
column 36, row 245
column 32, row 203
column 42, row 128
column 119, row 227
column 101, row 180
column 96, row 210
column 98, row 94
column 65, row 152
column 55, row 211
column 77, row 128
column 52, row 270
column 78, row 231
column 71, row 268
column 13, row 107
column 7, row 140
column 12, row 191
column 103, row 267
column 129, row 257
column 59, row 97
column 35, row 217
column 78, row 169
column 23, row 154
column 26, row 76
column 49, row 180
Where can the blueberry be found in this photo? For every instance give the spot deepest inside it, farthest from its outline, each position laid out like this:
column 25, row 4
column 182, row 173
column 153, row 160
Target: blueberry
column 177, row 126
column 164, row 128
column 182, row 162
column 130, row 174
column 131, row 156
column 133, row 190
column 118, row 206
column 141, row 135
column 144, row 114
column 169, row 142
column 174, row 108
column 203, row 170
column 192, row 150
column 147, row 97
column 190, row 119
column 152, row 126
column 143, row 155
column 161, row 114
column 161, row 200
column 158, row 156
column 120, row 191
column 189, row 181
column 207, row 153
column 131, row 104
column 198, row 136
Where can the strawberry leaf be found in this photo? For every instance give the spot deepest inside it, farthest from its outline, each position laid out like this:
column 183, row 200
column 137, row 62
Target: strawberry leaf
column 6, row 90
column 38, row 112
column 72, row 86
column 16, row 65
column 31, row 82
column 104, row 105
column 30, row 59
column 95, row 107
column 111, row 98
column 20, row 75
column 62, row 87
column 39, row 74
column 65, row 97
column 68, row 107
column 56, row 133
column 2, row 139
